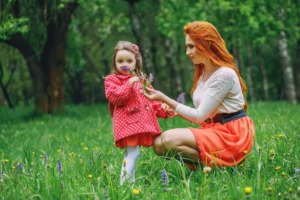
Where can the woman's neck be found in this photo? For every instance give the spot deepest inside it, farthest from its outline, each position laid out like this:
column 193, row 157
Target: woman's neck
column 208, row 70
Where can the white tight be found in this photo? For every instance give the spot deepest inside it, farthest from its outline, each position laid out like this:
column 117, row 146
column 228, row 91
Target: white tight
column 128, row 164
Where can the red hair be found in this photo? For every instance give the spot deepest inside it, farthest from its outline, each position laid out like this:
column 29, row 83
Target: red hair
column 211, row 45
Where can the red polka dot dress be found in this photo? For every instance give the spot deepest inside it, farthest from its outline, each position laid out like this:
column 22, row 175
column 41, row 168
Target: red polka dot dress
column 134, row 117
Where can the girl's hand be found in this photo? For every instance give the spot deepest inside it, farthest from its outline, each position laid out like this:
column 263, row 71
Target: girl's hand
column 134, row 79
column 170, row 111
column 153, row 95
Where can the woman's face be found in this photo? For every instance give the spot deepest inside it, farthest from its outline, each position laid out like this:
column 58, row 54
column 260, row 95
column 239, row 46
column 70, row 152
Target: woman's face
column 125, row 58
column 192, row 52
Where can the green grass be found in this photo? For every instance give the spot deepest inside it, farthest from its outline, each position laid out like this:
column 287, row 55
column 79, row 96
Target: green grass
column 82, row 140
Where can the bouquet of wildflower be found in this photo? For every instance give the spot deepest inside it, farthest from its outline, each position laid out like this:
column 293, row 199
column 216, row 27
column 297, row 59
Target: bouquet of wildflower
column 145, row 80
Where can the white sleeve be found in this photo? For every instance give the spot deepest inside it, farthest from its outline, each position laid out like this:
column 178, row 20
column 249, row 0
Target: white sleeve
column 214, row 95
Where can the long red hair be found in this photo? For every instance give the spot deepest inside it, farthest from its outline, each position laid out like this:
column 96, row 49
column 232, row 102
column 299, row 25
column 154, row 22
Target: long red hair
column 211, row 45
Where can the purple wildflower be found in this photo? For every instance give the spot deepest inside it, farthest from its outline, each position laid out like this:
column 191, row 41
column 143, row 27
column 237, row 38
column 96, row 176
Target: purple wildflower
column 164, row 178
column 91, row 161
column 125, row 68
column 142, row 78
column 151, row 78
column 20, row 168
column 180, row 98
column 1, row 176
column 45, row 159
column 59, row 167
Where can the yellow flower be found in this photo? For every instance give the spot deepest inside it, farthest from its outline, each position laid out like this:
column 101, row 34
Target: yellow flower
column 135, row 191
column 6, row 161
column 90, row 176
column 85, row 148
column 33, row 153
column 272, row 137
column 104, row 166
column 67, row 138
column 99, row 178
column 277, row 168
column 41, row 156
column 124, row 162
column 272, row 152
column 13, row 167
column 42, row 123
column 270, row 189
column 245, row 152
column 290, row 140
column 282, row 173
column 290, row 190
column 248, row 190
column 281, row 135
column 58, row 150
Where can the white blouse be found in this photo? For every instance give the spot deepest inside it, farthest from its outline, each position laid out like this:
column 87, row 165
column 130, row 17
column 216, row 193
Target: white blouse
column 221, row 93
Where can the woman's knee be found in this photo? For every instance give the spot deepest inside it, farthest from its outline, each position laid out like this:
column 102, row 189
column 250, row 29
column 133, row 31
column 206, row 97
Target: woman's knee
column 157, row 146
column 168, row 141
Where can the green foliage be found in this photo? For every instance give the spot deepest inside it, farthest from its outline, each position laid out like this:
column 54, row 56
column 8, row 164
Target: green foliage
column 83, row 142
column 12, row 25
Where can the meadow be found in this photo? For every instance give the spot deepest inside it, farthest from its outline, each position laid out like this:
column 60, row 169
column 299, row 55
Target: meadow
column 72, row 156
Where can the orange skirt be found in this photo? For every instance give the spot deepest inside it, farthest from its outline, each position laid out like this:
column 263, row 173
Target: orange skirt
column 224, row 144
column 141, row 139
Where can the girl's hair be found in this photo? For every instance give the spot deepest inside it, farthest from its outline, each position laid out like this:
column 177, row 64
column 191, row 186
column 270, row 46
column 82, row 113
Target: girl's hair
column 211, row 45
column 128, row 46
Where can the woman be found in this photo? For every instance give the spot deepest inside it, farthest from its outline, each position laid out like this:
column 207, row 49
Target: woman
column 218, row 93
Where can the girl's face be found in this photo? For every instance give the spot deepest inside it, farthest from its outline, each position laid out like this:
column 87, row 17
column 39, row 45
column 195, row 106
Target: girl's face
column 125, row 58
column 192, row 52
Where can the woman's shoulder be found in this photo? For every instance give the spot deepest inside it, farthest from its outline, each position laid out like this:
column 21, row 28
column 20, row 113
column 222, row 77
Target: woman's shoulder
column 226, row 70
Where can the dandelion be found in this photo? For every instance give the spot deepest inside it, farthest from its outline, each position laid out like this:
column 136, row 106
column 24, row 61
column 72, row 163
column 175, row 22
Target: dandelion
column 135, row 191
column 58, row 150
column 283, row 173
column 90, row 176
column 33, row 153
column 104, row 166
column 59, row 167
column 67, row 138
column 248, row 190
column 281, row 135
column 277, row 168
column 6, row 161
column 85, row 148
column 290, row 190
column 180, row 97
column 271, row 151
column 164, row 178
column 206, row 170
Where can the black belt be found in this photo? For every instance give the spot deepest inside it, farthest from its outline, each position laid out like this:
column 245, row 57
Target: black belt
column 226, row 117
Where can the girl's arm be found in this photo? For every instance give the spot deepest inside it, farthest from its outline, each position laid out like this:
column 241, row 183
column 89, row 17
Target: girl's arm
column 115, row 92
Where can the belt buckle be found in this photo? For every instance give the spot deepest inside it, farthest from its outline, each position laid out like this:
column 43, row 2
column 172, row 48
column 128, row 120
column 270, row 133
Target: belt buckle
column 208, row 120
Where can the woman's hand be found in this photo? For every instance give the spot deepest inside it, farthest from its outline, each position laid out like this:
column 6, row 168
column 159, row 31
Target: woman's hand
column 134, row 79
column 154, row 95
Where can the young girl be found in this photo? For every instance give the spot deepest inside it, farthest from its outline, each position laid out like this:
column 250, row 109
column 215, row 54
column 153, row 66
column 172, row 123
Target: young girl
column 134, row 117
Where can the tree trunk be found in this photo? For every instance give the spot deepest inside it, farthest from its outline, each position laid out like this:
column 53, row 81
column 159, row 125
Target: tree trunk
column 297, row 70
column 169, row 52
column 289, row 86
column 263, row 74
column 4, row 88
column 248, row 73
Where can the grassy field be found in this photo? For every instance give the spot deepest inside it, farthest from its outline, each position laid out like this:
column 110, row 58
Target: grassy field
column 73, row 157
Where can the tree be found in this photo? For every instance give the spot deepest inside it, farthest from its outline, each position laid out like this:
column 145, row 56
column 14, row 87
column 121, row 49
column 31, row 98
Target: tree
column 21, row 24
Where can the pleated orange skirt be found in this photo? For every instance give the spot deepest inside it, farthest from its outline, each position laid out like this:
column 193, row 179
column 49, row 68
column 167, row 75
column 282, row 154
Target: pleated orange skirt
column 225, row 144
column 141, row 139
